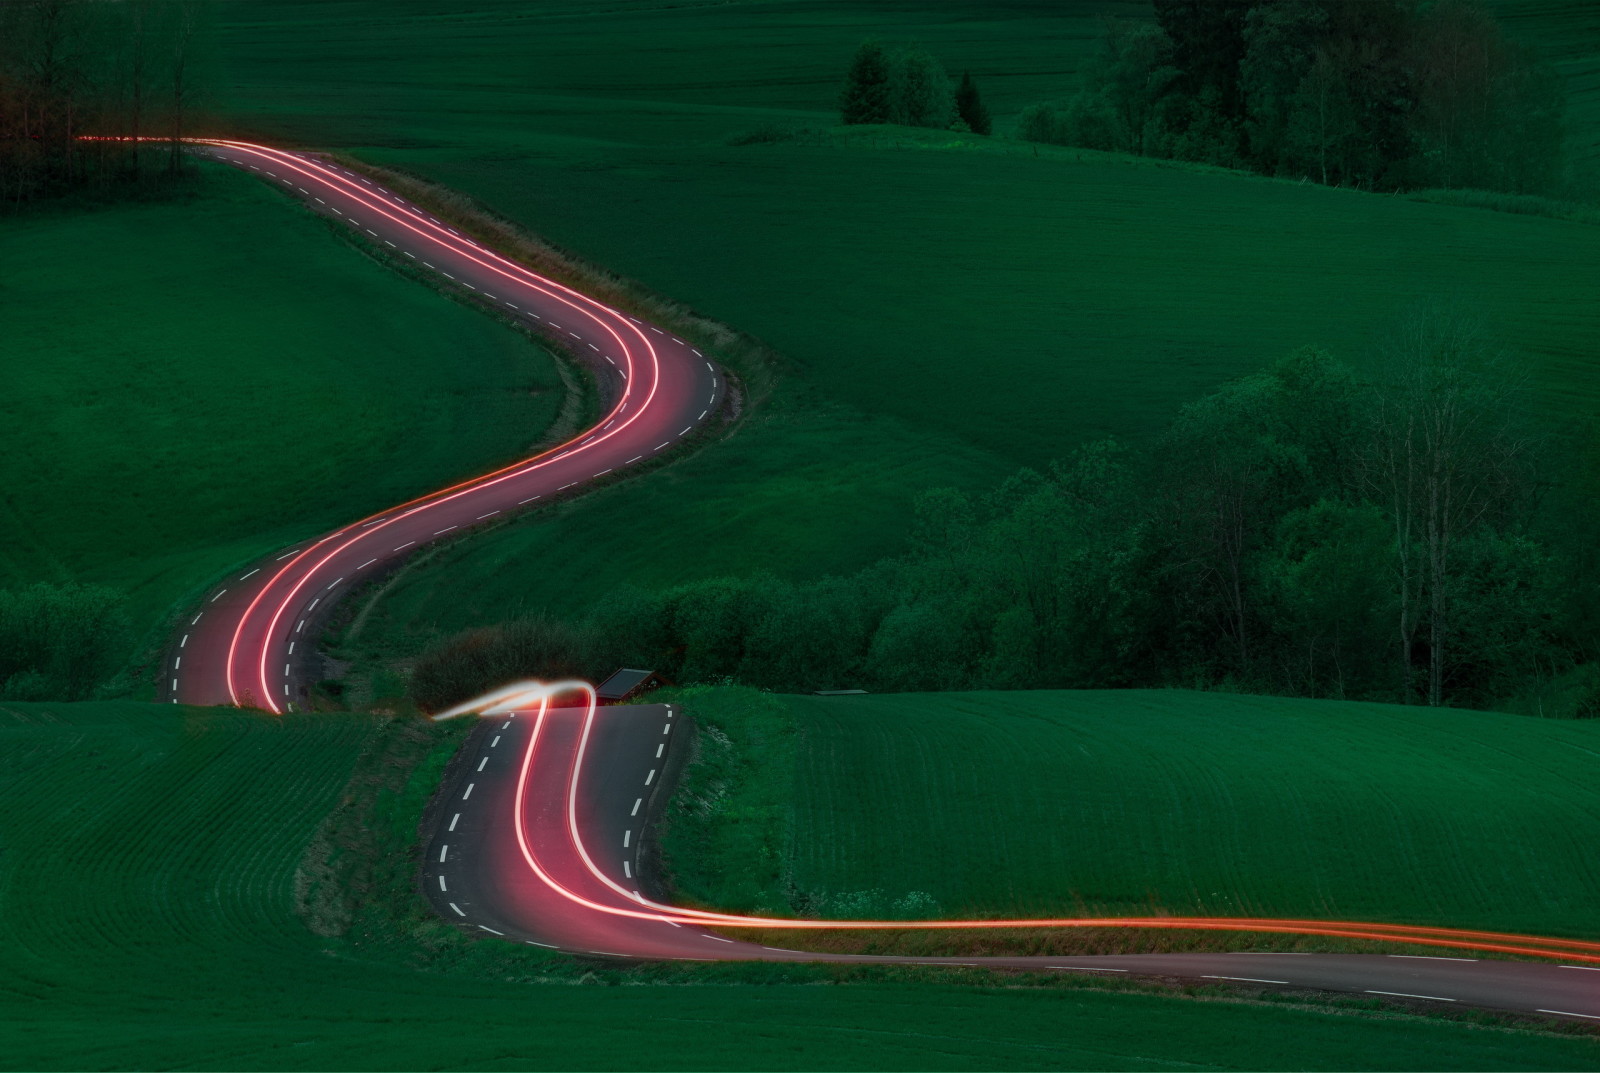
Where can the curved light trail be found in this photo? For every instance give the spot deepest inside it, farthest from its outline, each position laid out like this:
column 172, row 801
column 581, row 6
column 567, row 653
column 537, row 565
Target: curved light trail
column 660, row 388
column 249, row 644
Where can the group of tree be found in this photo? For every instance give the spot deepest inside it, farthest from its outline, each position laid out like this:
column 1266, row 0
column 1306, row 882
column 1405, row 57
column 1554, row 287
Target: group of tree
column 59, row 642
column 1298, row 532
column 1379, row 94
column 909, row 86
column 115, row 72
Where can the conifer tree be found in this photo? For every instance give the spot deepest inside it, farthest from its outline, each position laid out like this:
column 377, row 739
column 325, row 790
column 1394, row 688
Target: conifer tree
column 969, row 106
column 866, row 88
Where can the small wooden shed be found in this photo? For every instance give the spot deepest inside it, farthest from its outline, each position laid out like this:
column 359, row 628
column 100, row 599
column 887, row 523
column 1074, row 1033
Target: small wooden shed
column 628, row 683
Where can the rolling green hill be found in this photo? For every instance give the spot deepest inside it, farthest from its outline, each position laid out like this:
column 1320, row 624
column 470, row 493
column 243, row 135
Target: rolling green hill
column 1139, row 801
column 189, row 385
column 951, row 307
column 151, row 859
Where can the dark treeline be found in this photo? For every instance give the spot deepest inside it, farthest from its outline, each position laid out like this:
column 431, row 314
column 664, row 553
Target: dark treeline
column 909, row 86
column 1298, row 532
column 1378, row 94
column 70, row 68
column 59, row 642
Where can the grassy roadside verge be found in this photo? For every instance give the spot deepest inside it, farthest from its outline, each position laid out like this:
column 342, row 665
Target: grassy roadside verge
column 1128, row 803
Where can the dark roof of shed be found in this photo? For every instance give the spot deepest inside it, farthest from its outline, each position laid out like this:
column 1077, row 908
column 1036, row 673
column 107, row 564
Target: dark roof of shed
column 623, row 682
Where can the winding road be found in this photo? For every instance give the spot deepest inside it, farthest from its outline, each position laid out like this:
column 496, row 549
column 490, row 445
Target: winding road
column 249, row 643
column 541, row 830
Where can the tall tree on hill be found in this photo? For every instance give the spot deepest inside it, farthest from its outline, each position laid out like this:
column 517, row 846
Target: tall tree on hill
column 969, row 106
column 920, row 95
column 865, row 98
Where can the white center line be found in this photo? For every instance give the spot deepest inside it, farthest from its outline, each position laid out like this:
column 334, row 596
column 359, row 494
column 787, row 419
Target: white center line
column 490, row 930
column 660, row 749
column 636, row 805
column 626, row 835
column 458, row 909
column 627, row 870
column 218, row 596
column 1429, row 957
column 366, row 564
column 483, row 763
column 453, row 820
column 446, row 529
column 441, row 884
column 442, row 851
column 1567, row 1013
column 1585, row 968
column 648, row 779
column 257, row 570
column 495, row 742
column 1402, row 994
column 491, row 514
column 184, row 641
column 407, row 544
column 468, row 794
column 1245, row 979
column 667, row 729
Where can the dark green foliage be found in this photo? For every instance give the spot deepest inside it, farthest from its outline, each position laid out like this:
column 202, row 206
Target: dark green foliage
column 58, row 642
column 866, row 95
column 474, row 662
column 1296, row 531
column 1378, row 94
column 970, row 107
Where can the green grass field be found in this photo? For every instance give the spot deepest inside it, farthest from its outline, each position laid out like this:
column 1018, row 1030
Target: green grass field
column 146, row 921
column 1128, row 802
column 919, row 292
column 190, row 385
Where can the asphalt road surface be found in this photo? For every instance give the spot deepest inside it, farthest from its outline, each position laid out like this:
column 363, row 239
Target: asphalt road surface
column 522, row 846
column 541, row 835
column 249, row 641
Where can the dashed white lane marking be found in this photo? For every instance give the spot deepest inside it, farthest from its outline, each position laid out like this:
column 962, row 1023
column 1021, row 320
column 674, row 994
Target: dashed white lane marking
column 556, row 326
column 575, row 335
column 495, row 742
column 291, row 648
column 592, row 347
column 174, row 683
column 777, row 949
column 300, row 627
column 1245, row 979
column 184, row 641
column 660, row 749
column 632, row 460
column 547, row 946
column 636, row 805
column 366, row 564
column 218, row 596
column 513, row 306
column 530, row 499
column 1402, row 994
column 1429, row 957
column 1585, row 968
column 666, row 729
column 286, row 670
column 321, row 202
column 386, row 242
column 658, row 331
column 335, row 582
column 490, row 930
column 426, row 265
column 686, row 428
column 454, row 820
column 458, row 909
column 627, row 870
column 195, row 619
column 409, row 254
column 1568, row 1013
column 626, row 836
column 441, row 884
column 702, row 415
column 718, row 938
column 1082, row 968
column 483, row 763
column 602, row 473
column 648, row 779
column 407, row 544
column 505, row 725
column 468, row 794
column 564, row 487
column 336, row 210
column 491, row 514
column 446, row 529
column 491, row 297
column 370, row 231
column 285, row 555
column 318, row 600
column 698, row 354
column 442, row 851
column 257, row 570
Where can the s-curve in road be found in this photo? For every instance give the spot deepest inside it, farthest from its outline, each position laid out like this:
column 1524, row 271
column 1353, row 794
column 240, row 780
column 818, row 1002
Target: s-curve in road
column 541, row 834
column 248, row 643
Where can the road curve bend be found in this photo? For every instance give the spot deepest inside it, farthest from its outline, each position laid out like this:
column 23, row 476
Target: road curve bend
column 248, row 643
column 541, row 835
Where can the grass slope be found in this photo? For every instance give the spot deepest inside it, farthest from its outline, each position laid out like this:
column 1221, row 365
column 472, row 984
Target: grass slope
column 187, row 386
column 146, row 921
column 920, row 284
column 1128, row 802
